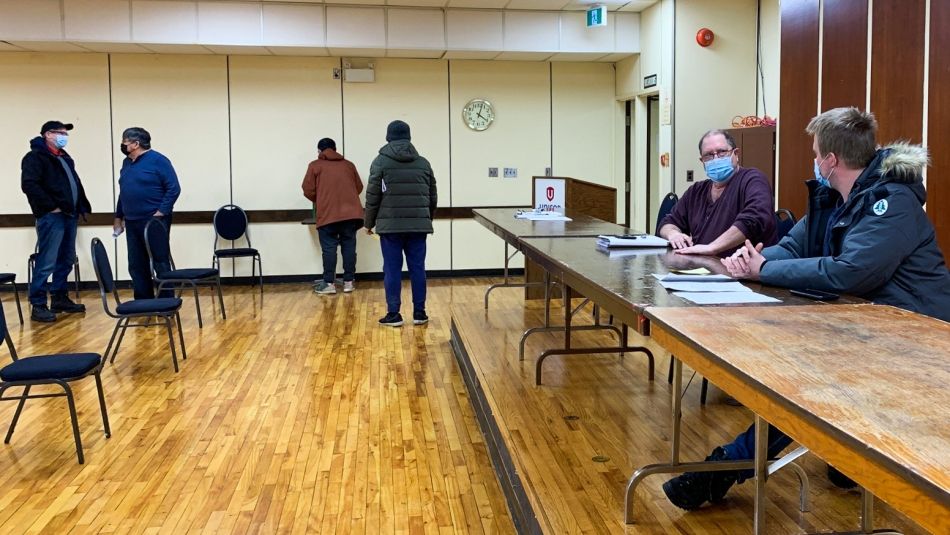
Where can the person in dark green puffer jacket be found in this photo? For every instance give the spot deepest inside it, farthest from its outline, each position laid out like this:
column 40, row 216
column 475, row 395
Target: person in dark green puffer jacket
column 400, row 201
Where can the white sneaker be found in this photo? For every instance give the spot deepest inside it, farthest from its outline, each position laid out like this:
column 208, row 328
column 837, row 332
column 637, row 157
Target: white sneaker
column 324, row 288
column 348, row 286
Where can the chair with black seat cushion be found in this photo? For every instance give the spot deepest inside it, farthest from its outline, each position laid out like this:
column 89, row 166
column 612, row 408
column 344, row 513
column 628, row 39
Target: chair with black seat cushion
column 10, row 278
column 163, row 309
column 159, row 254
column 230, row 224
column 784, row 221
column 665, row 208
column 57, row 370
column 31, row 264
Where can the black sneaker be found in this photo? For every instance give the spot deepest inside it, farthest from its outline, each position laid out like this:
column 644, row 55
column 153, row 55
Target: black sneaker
column 840, row 480
column 419, row 318
column 41, row 313
column 392, row 319
column 62, row 303
column 692, row 489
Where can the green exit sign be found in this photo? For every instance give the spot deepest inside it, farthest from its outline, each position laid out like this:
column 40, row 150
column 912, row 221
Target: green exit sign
column 597, row 16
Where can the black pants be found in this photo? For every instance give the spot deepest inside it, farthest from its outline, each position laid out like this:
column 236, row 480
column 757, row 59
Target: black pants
column 340, row 234
column 143, row 286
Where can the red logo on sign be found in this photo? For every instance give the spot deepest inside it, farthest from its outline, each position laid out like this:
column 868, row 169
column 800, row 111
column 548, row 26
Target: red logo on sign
column 550, row 193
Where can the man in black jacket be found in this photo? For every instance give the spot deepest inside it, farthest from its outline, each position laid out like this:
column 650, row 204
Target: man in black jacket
column 51, row 184
column 400, row 200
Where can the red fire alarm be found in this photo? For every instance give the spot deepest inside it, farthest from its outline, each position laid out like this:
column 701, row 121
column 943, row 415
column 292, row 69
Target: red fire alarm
column 705, row 37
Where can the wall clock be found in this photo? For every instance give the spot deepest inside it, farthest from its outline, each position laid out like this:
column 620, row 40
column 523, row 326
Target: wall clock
column 478, row 114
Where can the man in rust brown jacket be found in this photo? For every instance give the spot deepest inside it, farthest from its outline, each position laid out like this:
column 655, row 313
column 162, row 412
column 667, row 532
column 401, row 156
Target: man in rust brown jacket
column 334, row 186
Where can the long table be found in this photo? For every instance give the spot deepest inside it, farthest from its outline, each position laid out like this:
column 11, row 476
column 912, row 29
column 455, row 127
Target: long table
column 865, row 387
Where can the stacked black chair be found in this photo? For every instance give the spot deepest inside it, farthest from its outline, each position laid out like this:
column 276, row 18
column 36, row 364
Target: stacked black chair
column 784, row 221
column 59, row 370
column 162, row 310
column 665, row 208
column 230, row 224
column 10, row 278
column 159, row 253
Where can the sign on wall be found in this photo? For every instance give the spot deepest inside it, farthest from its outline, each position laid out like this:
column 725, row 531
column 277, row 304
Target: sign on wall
column 597, row 16
column 549, row 194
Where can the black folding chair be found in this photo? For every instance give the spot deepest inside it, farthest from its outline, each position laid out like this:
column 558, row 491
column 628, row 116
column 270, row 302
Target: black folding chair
column 31, row 265
column 163, row 309
column 10, row 278
column 60, row 370
column 230, row 224
column 159, row 254
column 784, row 221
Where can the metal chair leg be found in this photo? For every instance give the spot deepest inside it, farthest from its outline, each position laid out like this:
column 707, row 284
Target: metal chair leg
column 78, row 277
column 16, row 295
column 181, row 336
column 260, row 273
column 102, row 406
column 105, row 355
column 704, row 391
column 16, row 415
column 197, row 305
column 669, row 376
column 224, row 315
column 75, row 420
column 115, row 350
column 171, row 342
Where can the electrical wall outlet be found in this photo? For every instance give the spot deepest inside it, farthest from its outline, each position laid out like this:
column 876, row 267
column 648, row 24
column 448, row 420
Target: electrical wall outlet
column 511, row 172
column 547, row 171
column 689, row 175
column 492, row 172
column 337, row 73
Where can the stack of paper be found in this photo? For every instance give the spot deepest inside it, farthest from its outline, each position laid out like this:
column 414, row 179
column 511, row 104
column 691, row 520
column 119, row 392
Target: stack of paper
column 540, row 215
column 621, row 252
column 631, row 240
column 710, row 289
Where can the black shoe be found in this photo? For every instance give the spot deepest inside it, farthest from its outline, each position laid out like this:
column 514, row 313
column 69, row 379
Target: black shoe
column 41, row 313
column 392, row 319
column 419, row 318
column 692, row 489
column 840, row 480
column 62, row 303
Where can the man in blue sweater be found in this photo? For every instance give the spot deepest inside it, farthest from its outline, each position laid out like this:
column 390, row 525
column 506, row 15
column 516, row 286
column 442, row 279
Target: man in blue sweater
column 148, row 189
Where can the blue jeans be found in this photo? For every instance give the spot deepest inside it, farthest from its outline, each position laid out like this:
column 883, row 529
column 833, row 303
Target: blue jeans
column 143, row 286
column 413, row 244
column 56, row 253
column 340, row 234
column 743, row 447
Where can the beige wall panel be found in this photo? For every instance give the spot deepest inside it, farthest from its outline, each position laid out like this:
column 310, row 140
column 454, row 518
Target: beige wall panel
column 627, row 32
column 32, row 87
column 577, row 37
column 280, row 108
column 161, row 21
column 475, row 247
column 528, row 31
column 294, row 25
column 474, row 30
column 229, row 23
column 628, row 77
column 353, row 27
column 585, row 120
column 520, row 137
column 33, row 20
column 731, row 57
column 97, row 20
column 182, row 101
column 415, row 29
column 286, row 249
column 770, row 34
column 415, row 91
column 18, row 245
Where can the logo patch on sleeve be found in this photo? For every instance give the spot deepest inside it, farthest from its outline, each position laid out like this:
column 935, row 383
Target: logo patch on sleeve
column 880, row 207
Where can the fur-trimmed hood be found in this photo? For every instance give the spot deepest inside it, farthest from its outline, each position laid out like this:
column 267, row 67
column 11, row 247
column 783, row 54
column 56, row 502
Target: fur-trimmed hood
column 899, row 164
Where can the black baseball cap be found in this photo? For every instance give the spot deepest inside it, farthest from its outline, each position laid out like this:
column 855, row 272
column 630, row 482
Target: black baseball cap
column 55, row 125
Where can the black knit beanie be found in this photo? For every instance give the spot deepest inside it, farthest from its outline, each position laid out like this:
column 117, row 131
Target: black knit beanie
column 397, row 130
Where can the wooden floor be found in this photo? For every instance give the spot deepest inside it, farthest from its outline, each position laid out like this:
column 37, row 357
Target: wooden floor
column 302, row 415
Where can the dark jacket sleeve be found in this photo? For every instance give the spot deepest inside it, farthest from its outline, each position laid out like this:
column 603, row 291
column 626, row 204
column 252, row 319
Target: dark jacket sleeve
column 679, row 215
column 756, row 217
column 791, row 246
column 30, row 183
column 433, row 193
column 374, row 194
column 871, row 251
column 172, row 188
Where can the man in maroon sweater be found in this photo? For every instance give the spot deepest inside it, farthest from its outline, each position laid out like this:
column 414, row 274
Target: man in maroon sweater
column 334, row 185
column 717, row 215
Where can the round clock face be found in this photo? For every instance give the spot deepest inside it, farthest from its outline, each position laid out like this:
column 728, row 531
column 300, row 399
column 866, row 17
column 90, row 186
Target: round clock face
column 478, row 114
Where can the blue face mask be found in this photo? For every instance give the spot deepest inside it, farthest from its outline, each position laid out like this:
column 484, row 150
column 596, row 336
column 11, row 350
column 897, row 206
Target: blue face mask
column 60, row 141
column 720, row 169
column 819, row 177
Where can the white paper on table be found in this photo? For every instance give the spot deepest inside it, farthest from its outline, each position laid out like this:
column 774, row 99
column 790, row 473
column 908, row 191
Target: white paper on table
column 725, row 298
column 689, row 286
column 679, row 277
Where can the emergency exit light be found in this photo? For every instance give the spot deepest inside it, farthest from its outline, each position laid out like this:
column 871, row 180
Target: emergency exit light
column 597, row 16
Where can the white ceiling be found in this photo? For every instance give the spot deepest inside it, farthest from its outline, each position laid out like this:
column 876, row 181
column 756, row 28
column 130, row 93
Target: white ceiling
column 537, row 5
